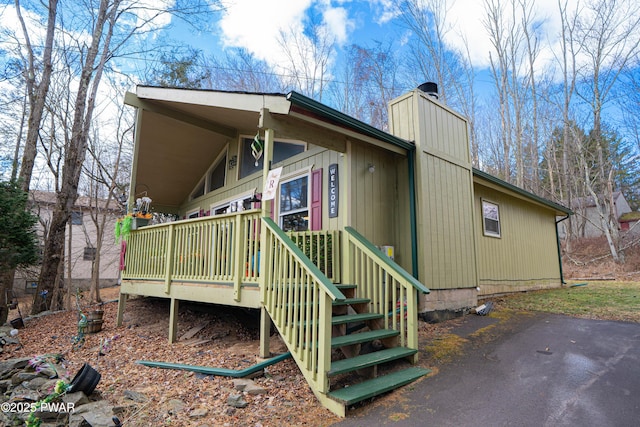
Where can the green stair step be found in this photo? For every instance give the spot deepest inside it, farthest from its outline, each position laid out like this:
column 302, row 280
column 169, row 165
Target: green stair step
column 369, row 359
column 350, row 301
column 370, row 388
column 359, row 317
column 361, row 337
column 345, row 286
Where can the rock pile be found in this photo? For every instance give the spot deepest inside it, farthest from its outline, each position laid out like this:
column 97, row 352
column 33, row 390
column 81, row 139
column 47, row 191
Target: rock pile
column 25, row 381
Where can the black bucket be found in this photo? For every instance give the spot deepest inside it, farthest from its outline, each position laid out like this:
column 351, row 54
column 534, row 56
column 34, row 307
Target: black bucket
column 85, row 380
column 17, row 323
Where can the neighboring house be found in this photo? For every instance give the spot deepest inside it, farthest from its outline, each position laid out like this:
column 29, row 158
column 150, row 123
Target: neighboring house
column 586, row 221
column 82, row 231
column 304, row 248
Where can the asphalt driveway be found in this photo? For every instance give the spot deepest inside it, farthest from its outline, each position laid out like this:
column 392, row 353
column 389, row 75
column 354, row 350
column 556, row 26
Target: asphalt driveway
column 540, row 370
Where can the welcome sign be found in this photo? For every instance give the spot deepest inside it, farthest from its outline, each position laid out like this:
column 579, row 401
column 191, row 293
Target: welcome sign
column 333, row 190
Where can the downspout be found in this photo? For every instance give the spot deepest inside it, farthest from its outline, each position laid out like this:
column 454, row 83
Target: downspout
column 412, row 212
column 221, row 372
column 560, row 250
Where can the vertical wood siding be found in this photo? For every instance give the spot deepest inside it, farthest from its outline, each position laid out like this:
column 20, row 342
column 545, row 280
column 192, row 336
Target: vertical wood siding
column 373, row 195
column 446, row 249
column 525, row 256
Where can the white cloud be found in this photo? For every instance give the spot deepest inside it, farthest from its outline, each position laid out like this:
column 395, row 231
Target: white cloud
column 256, row 25
column 338, row 24
column 384, row 10
column 467, row 18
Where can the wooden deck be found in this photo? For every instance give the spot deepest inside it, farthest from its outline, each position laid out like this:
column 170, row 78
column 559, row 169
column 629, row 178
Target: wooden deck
column 309, row 284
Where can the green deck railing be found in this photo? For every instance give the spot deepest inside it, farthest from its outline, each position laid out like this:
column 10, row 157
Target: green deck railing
column 298, row 297
column 391, row 289
column 221, row 249
column 322, row 248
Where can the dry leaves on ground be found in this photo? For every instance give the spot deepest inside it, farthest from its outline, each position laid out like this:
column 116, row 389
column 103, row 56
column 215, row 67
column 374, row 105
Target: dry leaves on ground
column 229, row 339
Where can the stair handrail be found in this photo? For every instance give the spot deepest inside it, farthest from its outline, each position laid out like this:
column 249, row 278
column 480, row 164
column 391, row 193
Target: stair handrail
column 298, row 298
column 334, row 293
column 372, row 251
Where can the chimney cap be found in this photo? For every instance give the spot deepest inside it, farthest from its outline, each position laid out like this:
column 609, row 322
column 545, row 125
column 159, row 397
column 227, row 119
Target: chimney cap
column 430, row 88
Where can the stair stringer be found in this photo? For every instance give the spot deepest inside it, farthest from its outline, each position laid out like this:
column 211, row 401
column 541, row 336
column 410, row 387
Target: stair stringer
column 310, row 376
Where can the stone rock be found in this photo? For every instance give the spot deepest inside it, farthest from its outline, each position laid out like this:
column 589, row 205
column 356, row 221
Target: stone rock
column 78, row 398
column 36, row 383
column 11, row 364
column 198, row 413
column 236, row 401
column 95, row 414
column 21, row 377
column 4, row 386
column 248, row 386
column 175, row 405
column 57, row 417
column 22, row 393
column 135, row 396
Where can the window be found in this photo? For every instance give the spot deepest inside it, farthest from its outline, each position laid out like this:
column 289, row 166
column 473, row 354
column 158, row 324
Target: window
column 490, row 219
column 193, row 214
column 199, row 191
column 218, row 174
column 76, row 218
column 281, row 151
column 294, row 204
column 89, row 254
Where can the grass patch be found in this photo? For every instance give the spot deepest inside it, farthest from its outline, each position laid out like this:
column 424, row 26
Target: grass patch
column 445, row 347
column 597, row 300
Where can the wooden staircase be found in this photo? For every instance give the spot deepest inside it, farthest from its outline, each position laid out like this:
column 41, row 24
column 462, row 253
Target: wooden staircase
column 352, row 344
column 349, row 341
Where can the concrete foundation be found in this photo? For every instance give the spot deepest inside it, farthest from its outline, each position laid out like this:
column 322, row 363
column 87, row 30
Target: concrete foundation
column 445, row 304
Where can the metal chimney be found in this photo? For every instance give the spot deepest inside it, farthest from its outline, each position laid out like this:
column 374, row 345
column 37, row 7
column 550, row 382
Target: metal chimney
column 430, row 89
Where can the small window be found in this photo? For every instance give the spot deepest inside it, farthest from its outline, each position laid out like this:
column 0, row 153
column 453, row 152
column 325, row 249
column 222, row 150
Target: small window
column 76, row 218
column 199, row 191
column 490, row 219
column 89, row 254
column 194, row 214
column 281, row 151
column 217, row 175
column 294, row 204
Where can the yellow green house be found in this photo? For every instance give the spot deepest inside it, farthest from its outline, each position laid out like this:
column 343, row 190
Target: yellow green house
column 340, row 233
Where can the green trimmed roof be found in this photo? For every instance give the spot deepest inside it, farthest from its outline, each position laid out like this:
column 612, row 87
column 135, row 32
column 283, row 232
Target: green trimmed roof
column 347, row 121
column 520, row 191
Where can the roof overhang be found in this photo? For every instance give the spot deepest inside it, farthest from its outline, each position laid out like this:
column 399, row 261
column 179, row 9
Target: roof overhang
column 491, row 181
column 180, row 133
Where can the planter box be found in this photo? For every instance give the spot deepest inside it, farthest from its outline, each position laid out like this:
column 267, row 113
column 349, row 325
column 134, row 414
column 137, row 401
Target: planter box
column 138, row 223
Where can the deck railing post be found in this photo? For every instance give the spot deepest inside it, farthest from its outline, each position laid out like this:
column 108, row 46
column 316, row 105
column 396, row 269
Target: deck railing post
column 346, row 259
column 324, row 343
column 169, row 259
column 238, row 255
column 412, row 319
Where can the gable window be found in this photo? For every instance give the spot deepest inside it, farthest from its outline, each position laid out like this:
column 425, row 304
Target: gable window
column 294, row 204
column 281, row 151
column 217, row 175
column 76, row 218
column 199, row 191
column 490, row 219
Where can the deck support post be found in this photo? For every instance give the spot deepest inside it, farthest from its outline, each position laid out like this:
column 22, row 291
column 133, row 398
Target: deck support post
column 173, row 320
column 122, row 301
column 265, row 332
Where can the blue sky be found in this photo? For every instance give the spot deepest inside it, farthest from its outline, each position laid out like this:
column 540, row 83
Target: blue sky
column 255, row 25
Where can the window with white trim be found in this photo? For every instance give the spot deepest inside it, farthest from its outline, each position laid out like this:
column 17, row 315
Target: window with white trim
column 490, row 219
column 281, row 150
column 218, row 174
column 294, row 204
